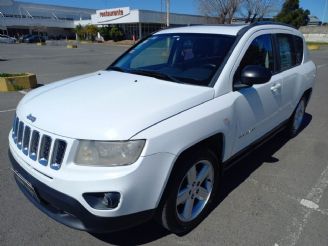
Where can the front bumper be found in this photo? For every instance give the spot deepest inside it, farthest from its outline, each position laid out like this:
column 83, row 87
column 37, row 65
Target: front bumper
column 69, row 211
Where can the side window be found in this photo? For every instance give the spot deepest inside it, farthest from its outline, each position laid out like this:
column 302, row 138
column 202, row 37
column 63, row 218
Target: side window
column 286, row 51
column 260, row 52
column 299, row 49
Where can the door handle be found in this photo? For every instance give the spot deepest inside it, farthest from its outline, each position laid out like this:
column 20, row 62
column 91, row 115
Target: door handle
column 275, row 87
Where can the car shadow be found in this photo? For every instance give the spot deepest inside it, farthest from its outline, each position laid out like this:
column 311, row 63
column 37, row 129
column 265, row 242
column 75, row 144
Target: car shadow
column 39, row 85
column 262, row 155
column 232, row 178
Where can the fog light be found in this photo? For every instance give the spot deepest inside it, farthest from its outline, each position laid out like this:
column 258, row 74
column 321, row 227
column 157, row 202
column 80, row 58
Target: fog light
column 103, row 200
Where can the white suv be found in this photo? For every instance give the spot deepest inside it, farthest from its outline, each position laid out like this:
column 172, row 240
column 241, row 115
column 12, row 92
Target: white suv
column 150, row 136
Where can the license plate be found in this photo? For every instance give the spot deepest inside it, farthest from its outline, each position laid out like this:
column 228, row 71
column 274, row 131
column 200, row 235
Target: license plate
column 28, row 186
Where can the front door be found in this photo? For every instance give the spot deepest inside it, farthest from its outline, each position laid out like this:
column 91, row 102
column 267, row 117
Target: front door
column 257, row 107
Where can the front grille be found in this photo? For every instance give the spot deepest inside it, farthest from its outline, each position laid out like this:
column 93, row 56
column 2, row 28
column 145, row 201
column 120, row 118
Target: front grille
column 39, row 147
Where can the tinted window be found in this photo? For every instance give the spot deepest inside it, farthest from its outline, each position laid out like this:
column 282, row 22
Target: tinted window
column 185, row 58
column 286, row 51
column 260, row 52
column 299, row 49
column 155, row 54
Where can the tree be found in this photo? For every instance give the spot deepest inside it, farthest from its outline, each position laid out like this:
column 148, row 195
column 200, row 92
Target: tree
column 79, row 32
column 91, row 32
column 292, row 14
column 105, row 32
column 223, row 10
column 116, row 33
column 255, row 10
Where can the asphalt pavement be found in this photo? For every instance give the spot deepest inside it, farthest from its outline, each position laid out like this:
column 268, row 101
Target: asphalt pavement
column 276, row 196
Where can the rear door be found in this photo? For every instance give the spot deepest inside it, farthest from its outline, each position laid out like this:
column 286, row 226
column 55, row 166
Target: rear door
column 257, row 106
column 290, row 56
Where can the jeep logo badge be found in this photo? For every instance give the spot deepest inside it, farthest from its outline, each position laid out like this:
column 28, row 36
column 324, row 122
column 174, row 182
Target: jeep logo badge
column 31, row 117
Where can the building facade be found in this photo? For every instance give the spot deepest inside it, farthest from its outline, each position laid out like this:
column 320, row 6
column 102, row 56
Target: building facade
column 50, row 20
column 139, row 23
column 17, row 18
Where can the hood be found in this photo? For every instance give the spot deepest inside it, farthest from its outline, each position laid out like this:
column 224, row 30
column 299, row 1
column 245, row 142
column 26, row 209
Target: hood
column 108, row 105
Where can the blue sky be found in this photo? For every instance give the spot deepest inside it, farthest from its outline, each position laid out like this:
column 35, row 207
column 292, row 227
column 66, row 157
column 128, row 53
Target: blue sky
column 178, row 6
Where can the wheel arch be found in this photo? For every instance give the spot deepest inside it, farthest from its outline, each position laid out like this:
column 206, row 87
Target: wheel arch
column 215, row 143
column 307, row 94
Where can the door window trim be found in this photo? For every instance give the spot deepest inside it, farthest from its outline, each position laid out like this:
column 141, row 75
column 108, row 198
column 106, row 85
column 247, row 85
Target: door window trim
column 274, row 53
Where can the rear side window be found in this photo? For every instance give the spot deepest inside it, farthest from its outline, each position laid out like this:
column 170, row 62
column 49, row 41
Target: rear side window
column 290, row 50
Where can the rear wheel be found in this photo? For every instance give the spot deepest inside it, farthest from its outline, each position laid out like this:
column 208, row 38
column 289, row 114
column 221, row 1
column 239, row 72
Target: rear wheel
column 191, row 192
column 296, row 120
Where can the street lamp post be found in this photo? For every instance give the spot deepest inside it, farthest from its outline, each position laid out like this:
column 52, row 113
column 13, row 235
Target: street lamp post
column 324, row 13
column 167, row 13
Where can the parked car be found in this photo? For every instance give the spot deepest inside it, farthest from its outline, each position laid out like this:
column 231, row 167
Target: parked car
column 21, row 38
column 33, row 39
column 7, row 39
column 151, row 136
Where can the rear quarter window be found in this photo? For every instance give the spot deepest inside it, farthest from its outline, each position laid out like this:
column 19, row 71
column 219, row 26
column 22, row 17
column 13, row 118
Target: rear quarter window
column 299, row 49
column 290, row 49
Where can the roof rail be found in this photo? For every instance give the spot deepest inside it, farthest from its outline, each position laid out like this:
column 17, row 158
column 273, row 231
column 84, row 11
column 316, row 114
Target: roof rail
column 213, row 24
column 258, row 23
column 263, row 23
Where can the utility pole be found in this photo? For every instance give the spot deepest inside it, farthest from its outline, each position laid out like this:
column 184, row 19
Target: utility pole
column 167, row 13
column 324, row 13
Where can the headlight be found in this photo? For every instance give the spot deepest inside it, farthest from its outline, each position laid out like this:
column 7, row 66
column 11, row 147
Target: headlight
column 99, row 153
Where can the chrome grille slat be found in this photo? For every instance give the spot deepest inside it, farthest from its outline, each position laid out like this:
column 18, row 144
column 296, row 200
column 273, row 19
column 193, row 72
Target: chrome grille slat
column 20, row 134
column 34, row 145
column 38, row 146
column 15, row 129
column 45, row 150
column 58, row 154
column 26, row 139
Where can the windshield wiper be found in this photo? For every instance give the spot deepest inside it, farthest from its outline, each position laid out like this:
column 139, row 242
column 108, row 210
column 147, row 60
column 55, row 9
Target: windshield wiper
column 115, row 68
column 155, row 74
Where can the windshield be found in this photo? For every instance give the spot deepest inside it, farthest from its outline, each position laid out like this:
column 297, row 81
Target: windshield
column 182, row 58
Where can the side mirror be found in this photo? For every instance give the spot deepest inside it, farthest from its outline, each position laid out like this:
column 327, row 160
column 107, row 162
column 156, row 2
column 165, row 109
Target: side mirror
column 255, row 74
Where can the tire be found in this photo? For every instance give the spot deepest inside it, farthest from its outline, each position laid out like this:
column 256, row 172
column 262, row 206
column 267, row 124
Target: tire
column 296, row 120
column 192, row 189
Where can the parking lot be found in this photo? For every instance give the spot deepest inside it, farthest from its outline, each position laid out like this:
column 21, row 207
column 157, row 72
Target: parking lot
column 276, row 196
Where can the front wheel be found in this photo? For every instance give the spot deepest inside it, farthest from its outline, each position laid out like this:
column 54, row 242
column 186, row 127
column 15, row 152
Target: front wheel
column 191, row 192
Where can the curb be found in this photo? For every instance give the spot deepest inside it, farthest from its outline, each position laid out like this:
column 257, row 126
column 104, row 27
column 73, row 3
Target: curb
column 313, row 46
column 71, row 46
column 15, row 83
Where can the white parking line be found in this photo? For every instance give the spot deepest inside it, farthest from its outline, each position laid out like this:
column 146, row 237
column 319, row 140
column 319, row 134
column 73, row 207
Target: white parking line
column 7, row 110
column 310, row 205
column 323, row 211
column 321, row 66
column 23, row 92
